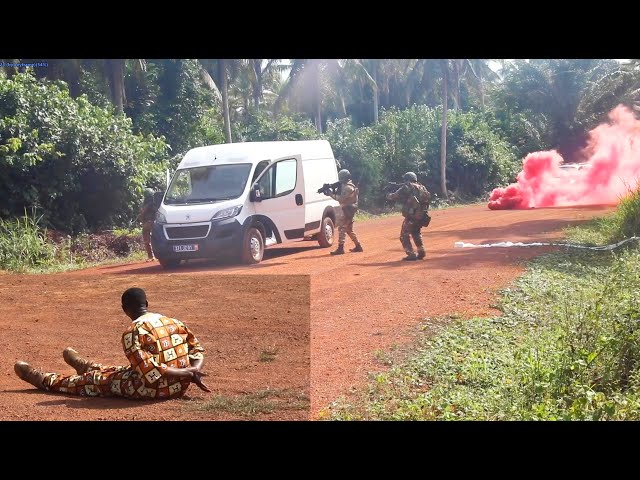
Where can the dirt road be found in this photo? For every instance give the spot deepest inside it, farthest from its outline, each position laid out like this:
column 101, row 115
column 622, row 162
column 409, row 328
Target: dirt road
column 360, row 303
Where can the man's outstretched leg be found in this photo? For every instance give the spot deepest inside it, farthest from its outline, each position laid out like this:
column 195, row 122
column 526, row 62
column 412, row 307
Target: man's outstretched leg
column 81, row 365
column 105, row 382
column 31, row 375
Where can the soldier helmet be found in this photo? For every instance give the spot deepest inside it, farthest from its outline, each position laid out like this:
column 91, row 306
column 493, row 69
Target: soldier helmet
column 344, row 175
column 410, row 177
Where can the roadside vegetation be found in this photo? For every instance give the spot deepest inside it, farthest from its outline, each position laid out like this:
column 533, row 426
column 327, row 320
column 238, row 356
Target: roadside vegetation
column 566, row 347
column 80, row 139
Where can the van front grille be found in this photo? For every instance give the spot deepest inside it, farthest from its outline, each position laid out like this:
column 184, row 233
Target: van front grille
column 188, row 232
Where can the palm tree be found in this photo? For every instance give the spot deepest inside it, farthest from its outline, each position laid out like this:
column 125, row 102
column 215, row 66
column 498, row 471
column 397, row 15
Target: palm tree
column 225, row 100
column 215, row 74
column 481, row 73
column 262, row 71
column 307, row 84
column 620, row 86
column 295, row 74
column 369, row 71
column 443, row 136
column 563, row 92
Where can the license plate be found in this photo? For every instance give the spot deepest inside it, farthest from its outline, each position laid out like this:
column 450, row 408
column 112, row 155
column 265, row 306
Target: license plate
column 185, row 248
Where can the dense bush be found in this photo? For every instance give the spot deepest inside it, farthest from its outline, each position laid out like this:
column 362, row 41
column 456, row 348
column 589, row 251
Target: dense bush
column 79, row 163
column 262, row 127
column 478, row 159
column 182, row 111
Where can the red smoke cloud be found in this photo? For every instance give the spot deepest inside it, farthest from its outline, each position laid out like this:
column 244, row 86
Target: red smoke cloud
column 612, row 168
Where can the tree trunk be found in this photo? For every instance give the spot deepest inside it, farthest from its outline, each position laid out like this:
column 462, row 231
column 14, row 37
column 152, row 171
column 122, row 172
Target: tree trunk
column 375, row 92
column 318, row 95
column 225, row 101
column 443, row 138
column 456, row 93
column 257, row 86
column 115, row 67
column 481, row 87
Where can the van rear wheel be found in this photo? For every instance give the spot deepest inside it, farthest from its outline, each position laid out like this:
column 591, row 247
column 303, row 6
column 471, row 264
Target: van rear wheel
column 325, row 236
column 252, row 247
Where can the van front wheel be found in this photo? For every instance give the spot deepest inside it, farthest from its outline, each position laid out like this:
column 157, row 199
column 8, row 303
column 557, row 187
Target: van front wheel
column 325, row 236
column 253, row 246
column 168, row 263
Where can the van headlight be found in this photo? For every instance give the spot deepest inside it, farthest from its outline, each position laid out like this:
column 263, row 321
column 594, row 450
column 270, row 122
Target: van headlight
column 160, row 218
column 227, row 213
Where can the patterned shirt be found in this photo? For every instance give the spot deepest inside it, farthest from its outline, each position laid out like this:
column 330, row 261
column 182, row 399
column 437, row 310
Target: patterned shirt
column 154, row 342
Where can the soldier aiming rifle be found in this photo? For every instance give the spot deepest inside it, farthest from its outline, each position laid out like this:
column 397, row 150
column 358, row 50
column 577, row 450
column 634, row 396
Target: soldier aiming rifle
column 346, row 193
column 416, row 200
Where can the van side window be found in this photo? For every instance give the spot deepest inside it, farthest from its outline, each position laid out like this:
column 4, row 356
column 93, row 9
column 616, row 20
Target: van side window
column 279, row 180
column 259, row 168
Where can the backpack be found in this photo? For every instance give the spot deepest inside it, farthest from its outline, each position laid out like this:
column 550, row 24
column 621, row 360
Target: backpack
column 424, row 197
column 419, row 203
column 157, row 199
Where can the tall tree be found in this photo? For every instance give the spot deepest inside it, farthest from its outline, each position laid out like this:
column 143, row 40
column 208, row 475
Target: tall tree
column 443, row 135
column 554, row 90
column 225, row 100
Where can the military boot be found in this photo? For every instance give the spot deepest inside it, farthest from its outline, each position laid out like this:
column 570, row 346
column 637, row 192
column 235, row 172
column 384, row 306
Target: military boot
column 30, row 375
column 357, row 248
column 73, row 358
column 339, row 250
column 411, row 256
column 421, row 253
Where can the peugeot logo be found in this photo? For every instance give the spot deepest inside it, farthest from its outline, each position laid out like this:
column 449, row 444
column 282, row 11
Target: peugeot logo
column 187, row 217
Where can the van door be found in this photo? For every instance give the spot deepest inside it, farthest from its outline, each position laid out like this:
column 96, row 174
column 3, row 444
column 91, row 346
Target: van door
column 281, row 188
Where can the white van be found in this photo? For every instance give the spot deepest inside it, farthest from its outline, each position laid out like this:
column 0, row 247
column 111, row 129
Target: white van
column 236, row 199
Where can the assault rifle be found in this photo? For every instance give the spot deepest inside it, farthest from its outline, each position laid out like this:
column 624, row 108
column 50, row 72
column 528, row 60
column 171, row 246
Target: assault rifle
column 328, row 188
column 392, row 186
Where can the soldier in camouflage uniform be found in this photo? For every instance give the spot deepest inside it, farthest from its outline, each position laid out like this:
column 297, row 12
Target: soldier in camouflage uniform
column 415, row 198
column 147, row 216
column 347, row 196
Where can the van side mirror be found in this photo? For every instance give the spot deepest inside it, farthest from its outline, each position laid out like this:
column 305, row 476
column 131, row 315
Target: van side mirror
column 255, row 196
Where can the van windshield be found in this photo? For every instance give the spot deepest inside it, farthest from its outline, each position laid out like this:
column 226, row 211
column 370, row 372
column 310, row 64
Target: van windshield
column 208, row 184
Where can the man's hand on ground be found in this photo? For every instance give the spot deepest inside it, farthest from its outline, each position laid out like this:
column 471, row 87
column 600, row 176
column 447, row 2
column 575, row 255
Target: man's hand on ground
column 197, row 379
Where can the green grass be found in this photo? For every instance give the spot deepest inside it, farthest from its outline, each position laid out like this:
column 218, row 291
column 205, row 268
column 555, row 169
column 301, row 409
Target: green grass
column 23, row 245
column 268, row 354
column 624, row 223
column 26, row 247
column 567, row 346
column 261, row 402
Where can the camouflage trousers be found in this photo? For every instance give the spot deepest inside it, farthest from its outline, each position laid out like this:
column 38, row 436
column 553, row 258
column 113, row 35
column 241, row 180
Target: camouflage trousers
column 411, row 228
column 107, row 381
column 345, row 227
column 146, row 231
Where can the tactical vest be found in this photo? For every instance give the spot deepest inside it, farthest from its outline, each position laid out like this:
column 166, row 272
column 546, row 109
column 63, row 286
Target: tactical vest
column 418, row 200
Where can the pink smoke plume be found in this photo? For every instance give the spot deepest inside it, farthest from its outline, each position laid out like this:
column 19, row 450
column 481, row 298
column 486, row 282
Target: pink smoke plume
column 612, row 169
